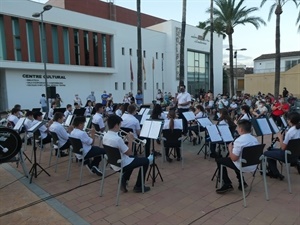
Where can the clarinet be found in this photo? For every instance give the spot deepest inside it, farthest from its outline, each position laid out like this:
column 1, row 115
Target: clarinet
column 276, row 139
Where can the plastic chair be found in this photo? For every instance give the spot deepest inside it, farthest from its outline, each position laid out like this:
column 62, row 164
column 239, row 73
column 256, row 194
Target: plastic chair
column 291, row 155
column 251, row 155
column 173, row 139
column 113, row 157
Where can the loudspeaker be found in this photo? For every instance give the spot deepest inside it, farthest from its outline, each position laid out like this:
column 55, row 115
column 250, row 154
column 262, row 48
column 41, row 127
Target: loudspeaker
column 51, row 92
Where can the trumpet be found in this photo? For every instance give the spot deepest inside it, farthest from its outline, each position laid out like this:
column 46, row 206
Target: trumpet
column 97, row 133
column 136, row 140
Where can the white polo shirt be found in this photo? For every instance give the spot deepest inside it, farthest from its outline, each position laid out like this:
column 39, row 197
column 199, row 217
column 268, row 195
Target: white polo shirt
column 291, row 134
column 62, row 134
column 98, row 119
column 112, row 139
column 129, row 121
column 86, row 141
column 43, row 129
column 183, row 98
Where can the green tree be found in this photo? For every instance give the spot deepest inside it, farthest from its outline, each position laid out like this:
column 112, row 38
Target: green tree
column 229, row 15
column 182, row 40
column 276, row 8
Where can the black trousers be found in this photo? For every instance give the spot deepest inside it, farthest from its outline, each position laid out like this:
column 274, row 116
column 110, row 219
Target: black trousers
column 228, row 163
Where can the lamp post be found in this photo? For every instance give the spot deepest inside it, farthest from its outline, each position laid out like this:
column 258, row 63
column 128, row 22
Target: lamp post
column 235, row 57
column 44, row 48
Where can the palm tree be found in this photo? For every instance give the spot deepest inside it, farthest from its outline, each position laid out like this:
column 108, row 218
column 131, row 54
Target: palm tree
column 211, row 65
column 230, row 15
column 139, row 47
column 182, row 39
column 277, row 6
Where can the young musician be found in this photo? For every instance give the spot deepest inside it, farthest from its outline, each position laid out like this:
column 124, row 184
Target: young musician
column 46, row 137
column 62, row 134
column 172, row 124
column 235, row 152
column 278, row 154
column 261, row 110
column 28, row 123
column 13, row 117
column 199, row 113
column 111, row 138
column 98, row 118
column 89, row 151
column 68, row 111
column 88, row 108
column 129, row 121
column 51, row 111
column 246, row 114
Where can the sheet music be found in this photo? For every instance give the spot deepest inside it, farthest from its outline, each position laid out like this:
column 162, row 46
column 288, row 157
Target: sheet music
column 189, row 115
column 144, row 118
column 218, row 115
column 147, row 111
column 177, row 124
column 151, row 129
column 204, row 122
column 283, row 121
column 68, row 120
column 35, row 126
column 273, row 125
column 142, row 110
column 225, row 133
column 264, row 126
column 19, row 124
column 213, row 133
column 87, row 121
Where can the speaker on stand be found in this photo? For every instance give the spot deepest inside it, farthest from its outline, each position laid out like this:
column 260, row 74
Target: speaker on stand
column 51, row 92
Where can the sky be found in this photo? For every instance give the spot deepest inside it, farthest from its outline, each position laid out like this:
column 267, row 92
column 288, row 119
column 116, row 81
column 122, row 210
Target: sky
column 257, row 42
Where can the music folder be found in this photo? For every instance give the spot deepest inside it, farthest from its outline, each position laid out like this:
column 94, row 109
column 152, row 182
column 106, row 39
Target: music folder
column 189, row 116
column 273, row 126
column 204, row 122
column 88, row 121
column 261, row 126
column 36, row 126
column 19, row 124
column 219, row 133
column 69, row 120
column 283, row 121
column 151, row 129
column 79, row 112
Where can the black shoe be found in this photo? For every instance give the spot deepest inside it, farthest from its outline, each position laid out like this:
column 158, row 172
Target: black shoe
column 63, row 154
column 280, row 177
column 158, row 141
column 96, row 171
column 123, row 186
column 179, row 159
column 224, row 188
column 139, row 189
column 169, row 159
column 157, row 153
column 240, row 186
column 89, row 167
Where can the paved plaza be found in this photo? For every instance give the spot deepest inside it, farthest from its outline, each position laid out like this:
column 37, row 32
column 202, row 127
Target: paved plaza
column 185, row 196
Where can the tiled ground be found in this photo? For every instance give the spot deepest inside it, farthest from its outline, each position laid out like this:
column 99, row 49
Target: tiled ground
column 186, row 196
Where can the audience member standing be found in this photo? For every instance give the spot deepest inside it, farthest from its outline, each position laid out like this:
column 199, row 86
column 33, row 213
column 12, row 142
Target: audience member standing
column 139, row 98
column 91, row 97
column 77, row 100
column 43, row 102
column 104, row 97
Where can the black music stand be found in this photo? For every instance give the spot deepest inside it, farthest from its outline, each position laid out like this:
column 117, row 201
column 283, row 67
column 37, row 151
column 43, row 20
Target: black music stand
column 79, row 112
column 204, row 122
column 190, row 117
column 151, row 129
column 33, row 169
column 219, row 134
column 261, row 127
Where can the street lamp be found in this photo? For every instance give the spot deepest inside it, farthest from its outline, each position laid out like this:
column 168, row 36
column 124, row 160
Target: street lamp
column 44, row 48
column 235, row 57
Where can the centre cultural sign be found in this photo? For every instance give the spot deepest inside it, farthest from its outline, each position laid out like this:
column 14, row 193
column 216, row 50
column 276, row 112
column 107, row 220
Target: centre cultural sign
column 39, row 80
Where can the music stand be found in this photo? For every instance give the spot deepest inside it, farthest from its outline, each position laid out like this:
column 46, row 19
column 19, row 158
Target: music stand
column 79, row 112
column 189, row 116
column 88, row 123
column 261, row 127
column 151, row 129
column 62, row 110
column 204, row 122
column 219, row 134
column 36, row 110
column 33, row 169
column 69, row 120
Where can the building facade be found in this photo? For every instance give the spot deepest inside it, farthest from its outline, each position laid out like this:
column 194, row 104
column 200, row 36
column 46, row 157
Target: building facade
column 86, row 53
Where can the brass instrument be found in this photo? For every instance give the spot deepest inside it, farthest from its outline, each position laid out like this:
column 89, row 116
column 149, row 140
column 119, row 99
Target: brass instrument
column 97, row 133
column 136, row 140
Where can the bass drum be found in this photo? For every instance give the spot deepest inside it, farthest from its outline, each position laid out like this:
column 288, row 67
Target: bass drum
column 10, row 144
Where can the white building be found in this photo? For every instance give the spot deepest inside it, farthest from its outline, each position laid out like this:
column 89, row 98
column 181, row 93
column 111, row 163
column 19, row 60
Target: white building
column 73, row 67
column 266, row 62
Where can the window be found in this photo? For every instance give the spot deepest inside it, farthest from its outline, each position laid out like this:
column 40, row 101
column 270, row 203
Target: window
column 162, row 55
column 3, row 55
column 116, row 85
column 123, row 51
column 86, row 48
column 104, row 51
column 30, row 41
column 198, row 71
column 55, row 44
column 144, row 54
column 130, row 52
column 156, row 55
column 124, row 86
column 16, row 39
column 163, row 86
column 95, row 46
column 66, row 45
column 145, row 86
column 157, row 86
column 76, row 47
column 131, row 85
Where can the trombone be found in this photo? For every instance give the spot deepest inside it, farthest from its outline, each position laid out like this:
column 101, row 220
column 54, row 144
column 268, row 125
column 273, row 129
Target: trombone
column 136, row 140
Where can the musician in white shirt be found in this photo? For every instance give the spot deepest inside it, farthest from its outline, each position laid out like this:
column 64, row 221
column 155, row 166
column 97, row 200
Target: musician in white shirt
column 13, row 117
column 62, row 134
column 69, row 111
column 51, row 111
column 98, row 118
column 89, row 151
column 88, row 108
column 129, row 121
column 45, row 136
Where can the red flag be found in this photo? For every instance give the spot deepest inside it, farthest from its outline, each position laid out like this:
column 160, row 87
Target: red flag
column 131, row 72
